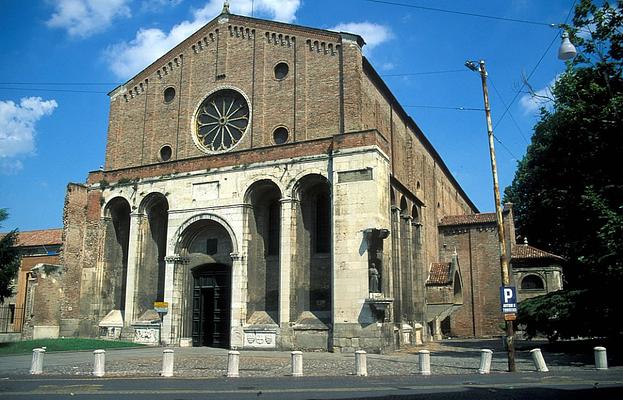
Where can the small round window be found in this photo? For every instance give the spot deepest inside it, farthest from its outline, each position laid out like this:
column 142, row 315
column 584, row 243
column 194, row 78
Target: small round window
column 281, row 70
column 169, row 94
column 280, row 135
column 165, row 153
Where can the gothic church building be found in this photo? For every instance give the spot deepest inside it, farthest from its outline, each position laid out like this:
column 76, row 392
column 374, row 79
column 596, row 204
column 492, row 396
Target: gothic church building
column 264, row 186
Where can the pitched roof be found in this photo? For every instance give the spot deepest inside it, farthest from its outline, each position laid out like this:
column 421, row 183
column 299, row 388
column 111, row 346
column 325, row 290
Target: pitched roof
column 439, row 274
column 41, row 237
column 525, row 251
column 469, row 219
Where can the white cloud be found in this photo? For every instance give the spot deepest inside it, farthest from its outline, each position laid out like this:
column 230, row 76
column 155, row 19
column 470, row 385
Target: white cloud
column 82, row 18
column 388, row 66
column 373, row 34
column 17, row 129
column 128, row 58
column 158, row 5
column 532, row 102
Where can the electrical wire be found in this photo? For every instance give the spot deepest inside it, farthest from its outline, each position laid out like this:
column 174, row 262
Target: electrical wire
column 509, row 113
column 62, row 83
column 448, row 71
column 445, row 108
column 524, row 21
column 54, row 90
column 533, row 70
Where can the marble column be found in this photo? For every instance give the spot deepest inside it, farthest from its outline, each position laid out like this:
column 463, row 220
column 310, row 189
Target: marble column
column 238, row 301
column 288, row 207
column 134, row 255
column 167, row 335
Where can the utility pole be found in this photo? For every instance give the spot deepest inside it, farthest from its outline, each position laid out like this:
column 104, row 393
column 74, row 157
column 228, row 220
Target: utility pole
column 510, row 340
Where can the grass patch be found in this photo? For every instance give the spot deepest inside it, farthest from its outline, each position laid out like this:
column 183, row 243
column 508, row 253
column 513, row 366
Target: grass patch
column 68, row 344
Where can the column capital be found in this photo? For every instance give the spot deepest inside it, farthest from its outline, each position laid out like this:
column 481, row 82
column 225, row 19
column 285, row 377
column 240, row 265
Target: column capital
column 177, row 259
column 395, row 208
column 236, row 256
column 285, row 200
column 406, row 217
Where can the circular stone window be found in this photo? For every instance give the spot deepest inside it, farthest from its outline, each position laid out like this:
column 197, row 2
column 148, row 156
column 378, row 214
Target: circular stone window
column 221, row 120
column 281, row 70
column 166, row 152
column 169, row 94
column 280, row 135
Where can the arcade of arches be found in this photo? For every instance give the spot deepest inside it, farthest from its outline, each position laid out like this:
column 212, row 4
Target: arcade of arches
column 204, row 282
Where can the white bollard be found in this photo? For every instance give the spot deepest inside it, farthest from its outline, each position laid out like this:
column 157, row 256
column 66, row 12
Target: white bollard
column 297, row 363
column 36, row 366
column 99, row 362
column 601, row 358
column 539, row 361
column 485, row 361
column 168, row 360
column 233, row 364
column 361, row 366
column 424, row 362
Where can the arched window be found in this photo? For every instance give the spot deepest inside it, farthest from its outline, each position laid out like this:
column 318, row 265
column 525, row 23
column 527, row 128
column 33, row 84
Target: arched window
column 532, row 282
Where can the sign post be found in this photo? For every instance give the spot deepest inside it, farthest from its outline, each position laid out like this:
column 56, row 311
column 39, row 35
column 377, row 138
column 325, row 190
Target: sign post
column 161, row 307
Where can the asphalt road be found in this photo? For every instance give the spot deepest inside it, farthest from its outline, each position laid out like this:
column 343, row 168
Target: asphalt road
column 517, row 386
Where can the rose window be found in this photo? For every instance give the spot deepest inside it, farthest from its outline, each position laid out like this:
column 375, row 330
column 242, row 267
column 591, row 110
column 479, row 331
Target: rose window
column 222, row 119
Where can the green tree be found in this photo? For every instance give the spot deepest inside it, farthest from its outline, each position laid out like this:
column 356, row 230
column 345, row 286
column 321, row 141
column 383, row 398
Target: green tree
column 9, row 259
column 568, row 188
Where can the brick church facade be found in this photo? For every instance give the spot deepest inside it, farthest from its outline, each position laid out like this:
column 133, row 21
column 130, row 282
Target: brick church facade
column 264, row 186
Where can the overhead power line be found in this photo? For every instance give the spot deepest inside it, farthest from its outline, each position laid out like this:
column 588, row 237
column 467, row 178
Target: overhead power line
column 509, row 113
column 523, row 21
column 533, row 69
column 448, row 71
column 53, row 90
column 62, row 83
column 445, row 107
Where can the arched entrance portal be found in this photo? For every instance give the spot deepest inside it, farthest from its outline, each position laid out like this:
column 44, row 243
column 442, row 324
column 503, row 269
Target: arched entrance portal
column 203, row 282
column 211, row 305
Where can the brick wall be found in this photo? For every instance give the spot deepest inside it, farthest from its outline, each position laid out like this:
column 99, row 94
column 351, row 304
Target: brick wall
column 240, row 53
column 477, row 248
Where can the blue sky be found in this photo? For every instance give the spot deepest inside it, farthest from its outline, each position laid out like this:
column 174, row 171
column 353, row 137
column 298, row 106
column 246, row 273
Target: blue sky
column 61, row 57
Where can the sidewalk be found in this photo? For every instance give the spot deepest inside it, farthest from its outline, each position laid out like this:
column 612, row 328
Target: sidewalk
column 447, row 357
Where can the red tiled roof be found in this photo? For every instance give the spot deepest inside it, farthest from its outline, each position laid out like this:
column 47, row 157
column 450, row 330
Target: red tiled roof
column 524, row 251
column 439, row 274
column 469, row 219
column 38, row 238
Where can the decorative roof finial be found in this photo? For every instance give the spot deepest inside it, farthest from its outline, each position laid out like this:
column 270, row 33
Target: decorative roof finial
column 525, row 240
column 225, row 7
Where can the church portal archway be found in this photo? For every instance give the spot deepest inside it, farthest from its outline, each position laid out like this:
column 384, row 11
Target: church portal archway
column 211, row 305
column 204, row 283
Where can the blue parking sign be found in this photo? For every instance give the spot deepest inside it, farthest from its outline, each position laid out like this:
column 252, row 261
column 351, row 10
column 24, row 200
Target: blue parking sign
column 508, row 299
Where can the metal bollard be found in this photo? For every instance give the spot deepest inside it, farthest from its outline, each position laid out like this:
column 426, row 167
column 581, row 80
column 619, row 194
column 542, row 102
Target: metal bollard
column 168, row 360
column 485, row 361
column 233, row 362
column 424, row 362
column 99, row 362
column 601, row 358
column 539, row 362
column 297, row 363
column 361, row 366
column 36, row 366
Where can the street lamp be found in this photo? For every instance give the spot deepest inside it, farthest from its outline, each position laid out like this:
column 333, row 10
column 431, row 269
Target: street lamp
column 567, row 49
column 510, row 343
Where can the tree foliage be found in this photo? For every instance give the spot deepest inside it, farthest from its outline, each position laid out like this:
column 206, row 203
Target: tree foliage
column 568, row 188
column 9, row 259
